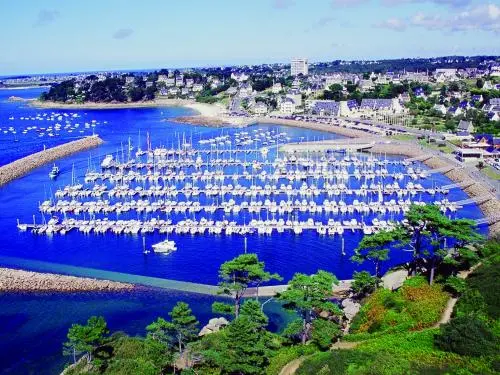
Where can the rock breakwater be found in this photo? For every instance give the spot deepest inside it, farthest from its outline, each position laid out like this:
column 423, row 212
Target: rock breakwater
column 23, row 166
column 13, row 280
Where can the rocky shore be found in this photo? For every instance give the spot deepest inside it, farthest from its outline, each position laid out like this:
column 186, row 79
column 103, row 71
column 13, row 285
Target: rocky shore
column 23, row 166
column 490, row 207
column 13, row 280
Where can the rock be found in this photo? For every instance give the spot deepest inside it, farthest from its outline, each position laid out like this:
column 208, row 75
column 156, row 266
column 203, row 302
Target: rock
column 350, row 308
column 394, row 280
column 214, row 325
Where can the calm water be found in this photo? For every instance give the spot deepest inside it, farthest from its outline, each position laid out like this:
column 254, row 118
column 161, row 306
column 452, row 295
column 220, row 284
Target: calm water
column 30, row 318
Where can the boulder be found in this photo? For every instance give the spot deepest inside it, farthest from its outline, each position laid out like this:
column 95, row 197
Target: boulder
column 350, row 308
column 214, row 325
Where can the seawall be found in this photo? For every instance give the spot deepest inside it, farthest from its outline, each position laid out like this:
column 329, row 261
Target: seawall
column 14, row 280
column 23, row 166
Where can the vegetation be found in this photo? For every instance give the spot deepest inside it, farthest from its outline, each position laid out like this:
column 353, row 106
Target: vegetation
column 393, row 333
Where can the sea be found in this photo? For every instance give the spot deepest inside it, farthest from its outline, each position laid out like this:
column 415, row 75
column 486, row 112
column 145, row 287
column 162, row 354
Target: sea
column 33, row 326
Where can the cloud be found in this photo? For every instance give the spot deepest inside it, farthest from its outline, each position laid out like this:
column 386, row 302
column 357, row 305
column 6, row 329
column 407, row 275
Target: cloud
column 395, row 24
column 283, row 4
column 323, row 21
column 46, row 17
column 450, row 3
column 484, row 17
column 122, row 33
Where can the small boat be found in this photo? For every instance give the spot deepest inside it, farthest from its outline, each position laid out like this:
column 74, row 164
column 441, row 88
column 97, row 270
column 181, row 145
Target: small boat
column 164, row 247
column 54, row 172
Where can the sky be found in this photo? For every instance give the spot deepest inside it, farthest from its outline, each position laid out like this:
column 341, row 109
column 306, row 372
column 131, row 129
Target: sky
column 66, row 36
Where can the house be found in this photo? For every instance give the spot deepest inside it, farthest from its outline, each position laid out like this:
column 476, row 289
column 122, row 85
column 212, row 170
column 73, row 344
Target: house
column 494, row 116
column 129, row 80
column 488, row 85
column 366, row 85
column 296, row 96
column 277, row 87
column 419, row 92
column 189, row 82
column 465, row 127
column 162, row 78
column 185, row 91
column 383, row 105
column 455, row 111
column 232, row 90
column 245, row 90
column 197, row 87
column 287, row 106
column 149, row 84
column 404, row 97
column 173, row 91
column 439, row 108
column 477, row 98
column 260, row 108
column 239, row 76
column 169, row 81
column 326, row 108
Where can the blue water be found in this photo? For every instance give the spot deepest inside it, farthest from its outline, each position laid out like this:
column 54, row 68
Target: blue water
column 31, row 318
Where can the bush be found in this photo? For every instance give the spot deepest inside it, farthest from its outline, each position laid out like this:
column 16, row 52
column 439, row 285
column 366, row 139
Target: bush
column 325, row 332
column 455, row 285
column 466, row 336
column 286, row 355
column 364, row 283
column 414, row 306
column 485, row 281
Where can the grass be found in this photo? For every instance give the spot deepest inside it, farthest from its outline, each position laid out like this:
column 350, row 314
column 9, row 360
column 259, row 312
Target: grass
column 286, row 355
column 403, row 137
column 446, row 149
column 491, row 173
column 415, row 306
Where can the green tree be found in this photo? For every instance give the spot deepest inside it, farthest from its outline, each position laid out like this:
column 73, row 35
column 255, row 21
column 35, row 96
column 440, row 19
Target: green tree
column 375, row 248
column 364, row 283
column 325, row 332
column 427, row 232
column 307, row 294
column 86, row 338
column 182, row 328
column 251, row 308
column 238, row 274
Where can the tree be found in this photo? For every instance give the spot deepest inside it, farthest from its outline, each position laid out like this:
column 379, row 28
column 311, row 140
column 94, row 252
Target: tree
column 309, row 294
column 364, row 283
column 86, row 338
column 238, row 274
column 251, row 308
column 375, row 248
column 427, row 231
column 325, row 332
column 182, row 328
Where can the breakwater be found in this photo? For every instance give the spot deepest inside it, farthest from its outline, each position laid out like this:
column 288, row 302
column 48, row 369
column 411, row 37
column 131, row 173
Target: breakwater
column 14, row 280
column 23, row 166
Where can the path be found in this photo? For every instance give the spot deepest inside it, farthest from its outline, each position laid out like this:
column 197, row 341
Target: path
column 291, row 367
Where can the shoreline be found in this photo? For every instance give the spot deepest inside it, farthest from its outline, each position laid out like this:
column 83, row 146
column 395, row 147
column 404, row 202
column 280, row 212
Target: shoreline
column 23, row 166
column 162, row 102
column 18, row 280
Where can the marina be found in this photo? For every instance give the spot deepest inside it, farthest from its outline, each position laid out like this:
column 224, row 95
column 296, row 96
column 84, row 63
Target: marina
column 215, row 189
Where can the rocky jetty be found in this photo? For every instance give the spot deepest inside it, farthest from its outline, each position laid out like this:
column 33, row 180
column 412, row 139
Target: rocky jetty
column 13, row 280
column 23, row 166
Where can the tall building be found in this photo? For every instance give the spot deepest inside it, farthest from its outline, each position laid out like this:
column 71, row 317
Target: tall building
column 298, row 66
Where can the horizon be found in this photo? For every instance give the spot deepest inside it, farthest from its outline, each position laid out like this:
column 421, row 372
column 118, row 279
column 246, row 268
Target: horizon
column 57, row 37
column 137, row 70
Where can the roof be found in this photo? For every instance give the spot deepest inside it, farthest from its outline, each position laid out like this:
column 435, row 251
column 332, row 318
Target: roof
column 464, row 125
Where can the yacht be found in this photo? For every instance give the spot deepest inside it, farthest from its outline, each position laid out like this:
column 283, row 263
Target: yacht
column 165, row 247
column 54, row 172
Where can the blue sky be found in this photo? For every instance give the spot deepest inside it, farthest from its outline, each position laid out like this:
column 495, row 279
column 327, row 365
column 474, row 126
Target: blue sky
column 63, row 36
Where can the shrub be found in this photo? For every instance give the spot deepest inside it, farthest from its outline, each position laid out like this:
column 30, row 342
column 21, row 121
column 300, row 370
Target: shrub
column 364, row 283
column 286, row 355
column 466, row 336
column 455, row 285
column 325, row 332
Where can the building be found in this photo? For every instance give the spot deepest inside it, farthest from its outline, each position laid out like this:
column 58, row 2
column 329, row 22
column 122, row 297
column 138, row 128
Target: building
column 296, row 96
column 383, row 105
column 287, row 106
column 197, row 87
column 299, row 66
column 277, row 87
column 260, row 108
column 326, row 108
column 465, row 127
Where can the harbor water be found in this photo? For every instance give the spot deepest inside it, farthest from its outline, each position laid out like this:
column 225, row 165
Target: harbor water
column 197, row 258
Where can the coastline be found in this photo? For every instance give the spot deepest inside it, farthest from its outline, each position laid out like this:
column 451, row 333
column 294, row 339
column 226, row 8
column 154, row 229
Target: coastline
column 16, row 280
column 159, row 102
column 23, row 166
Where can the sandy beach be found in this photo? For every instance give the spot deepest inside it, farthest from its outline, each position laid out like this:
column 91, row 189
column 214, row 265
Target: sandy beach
column 14, row 280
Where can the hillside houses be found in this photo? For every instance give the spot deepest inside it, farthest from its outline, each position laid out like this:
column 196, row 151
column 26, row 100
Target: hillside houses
column 380, row 105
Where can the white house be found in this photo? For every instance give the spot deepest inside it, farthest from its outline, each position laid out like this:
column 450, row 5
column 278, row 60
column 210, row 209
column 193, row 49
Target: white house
column 287, row 106
column 277, row 88
column 197, row 87
column 439, row 108
column 239, row 76
column 260, row 108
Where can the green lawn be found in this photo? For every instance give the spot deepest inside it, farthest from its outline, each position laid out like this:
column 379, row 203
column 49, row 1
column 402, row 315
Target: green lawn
column 403, row 137
column 446, row 149
column 491, row 173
